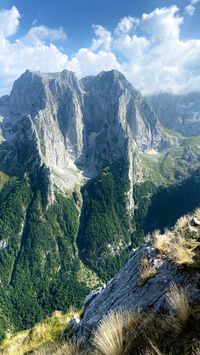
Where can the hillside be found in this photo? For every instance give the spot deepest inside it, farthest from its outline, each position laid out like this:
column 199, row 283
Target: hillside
column 86, row 171
column 151, row 306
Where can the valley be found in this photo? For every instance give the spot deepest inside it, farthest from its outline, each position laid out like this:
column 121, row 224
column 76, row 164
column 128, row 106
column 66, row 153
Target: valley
column 87, row 171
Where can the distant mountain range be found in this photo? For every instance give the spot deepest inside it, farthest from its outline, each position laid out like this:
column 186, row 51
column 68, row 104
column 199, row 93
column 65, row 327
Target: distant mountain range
column 87, row 168
column 179, row 113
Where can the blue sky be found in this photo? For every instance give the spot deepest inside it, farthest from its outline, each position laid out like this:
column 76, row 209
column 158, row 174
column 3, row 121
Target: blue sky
column 88, row 36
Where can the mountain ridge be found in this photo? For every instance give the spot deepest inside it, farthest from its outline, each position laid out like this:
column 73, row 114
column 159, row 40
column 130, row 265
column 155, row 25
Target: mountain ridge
column 86, row 170
column 78, row 127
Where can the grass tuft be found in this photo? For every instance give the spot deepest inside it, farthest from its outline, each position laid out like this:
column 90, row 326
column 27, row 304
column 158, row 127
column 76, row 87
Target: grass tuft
column 178, row 300
column 108, row 339
column 146, row 272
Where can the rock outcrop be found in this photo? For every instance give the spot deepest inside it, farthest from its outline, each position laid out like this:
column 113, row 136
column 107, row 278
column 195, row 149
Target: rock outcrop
column 147, row 277
column 76, row 126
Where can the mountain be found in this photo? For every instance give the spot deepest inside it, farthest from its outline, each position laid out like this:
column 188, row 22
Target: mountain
column 153, row 302
column 151, row 306
column 166, row 259
column 73, row 123
column 181, row 113
column 86, row 170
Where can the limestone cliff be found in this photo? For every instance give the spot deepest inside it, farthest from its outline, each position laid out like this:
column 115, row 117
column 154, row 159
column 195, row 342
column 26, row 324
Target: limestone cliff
column 76, row 126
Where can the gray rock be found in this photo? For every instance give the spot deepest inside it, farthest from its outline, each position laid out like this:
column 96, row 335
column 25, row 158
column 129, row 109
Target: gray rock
column 179, row 113
column 71, row 327
column 92, row 295
column 71, row 123
column 195, row 222
column 125, row 292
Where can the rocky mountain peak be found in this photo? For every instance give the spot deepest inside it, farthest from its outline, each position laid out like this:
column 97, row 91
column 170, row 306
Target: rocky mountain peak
column 86, row 123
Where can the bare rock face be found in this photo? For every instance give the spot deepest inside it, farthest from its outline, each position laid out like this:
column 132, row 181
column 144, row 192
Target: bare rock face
column 116, row 119
column 71, row 123
column 125, row 290
column 180, row 113
column 54, row 103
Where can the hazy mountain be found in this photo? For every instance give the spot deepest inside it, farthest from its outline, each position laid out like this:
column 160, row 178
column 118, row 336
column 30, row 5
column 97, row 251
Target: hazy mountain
column 179, row 113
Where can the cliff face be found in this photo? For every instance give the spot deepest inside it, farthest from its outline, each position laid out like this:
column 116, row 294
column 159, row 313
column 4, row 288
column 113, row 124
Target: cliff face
column 71, row 123
column 179, row 113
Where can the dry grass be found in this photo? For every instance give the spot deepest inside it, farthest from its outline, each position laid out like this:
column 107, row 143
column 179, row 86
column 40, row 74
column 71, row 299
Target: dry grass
column 146, row 272
column 178, row 301
column 162, row 242
column 181, row 253
column 196, row 349
column 153, row 350
column 177, row 245
column 148, row 333
column 181, row 223
column 197, row 213
column 68, row 349
column 108, row 339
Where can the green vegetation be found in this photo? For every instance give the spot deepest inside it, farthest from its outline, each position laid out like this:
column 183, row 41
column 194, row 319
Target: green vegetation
column 160, row 207
column 49, row 260
column 43, row 334
column 172, row 165
column 39, row 265
column 105, row 225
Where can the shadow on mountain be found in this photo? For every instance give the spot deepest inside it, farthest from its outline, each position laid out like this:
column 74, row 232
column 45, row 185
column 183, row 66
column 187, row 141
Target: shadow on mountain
column 159, row 208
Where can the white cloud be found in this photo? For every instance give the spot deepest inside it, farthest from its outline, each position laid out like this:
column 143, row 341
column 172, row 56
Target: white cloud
column 103, row 40
column 190, row 9
column 159, row 60
column 28, row 52
column 37, row 34
column 9, row 21
column 162, row 23
column 148, row 50
column 126, row 25
column 194, row 2
column 131, row 47
column 87, row 62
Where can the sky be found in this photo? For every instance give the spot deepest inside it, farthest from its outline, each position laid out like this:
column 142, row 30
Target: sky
column 154, row 43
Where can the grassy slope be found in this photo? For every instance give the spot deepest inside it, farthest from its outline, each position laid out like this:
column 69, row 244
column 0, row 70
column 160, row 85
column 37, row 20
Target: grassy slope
column 44, row 334
column 129, row 332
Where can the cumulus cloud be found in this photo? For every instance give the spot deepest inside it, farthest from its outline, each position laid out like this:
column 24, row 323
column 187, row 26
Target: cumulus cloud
column 103, row 40
column 148, row 50
column 131, row 47
column 9, row 22
column 126, row 25
column 190, row 8
column 162, row 23
column 28, row 52
column 87, row 62
column 36, row 34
